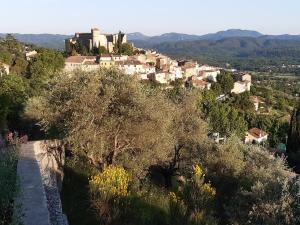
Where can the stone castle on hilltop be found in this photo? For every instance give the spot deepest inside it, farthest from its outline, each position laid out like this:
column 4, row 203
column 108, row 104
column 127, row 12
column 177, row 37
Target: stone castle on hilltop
column 95, row 39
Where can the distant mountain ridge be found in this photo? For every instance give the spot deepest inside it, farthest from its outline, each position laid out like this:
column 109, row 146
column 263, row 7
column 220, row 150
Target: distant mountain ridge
column 56, row 41
column 232, row 33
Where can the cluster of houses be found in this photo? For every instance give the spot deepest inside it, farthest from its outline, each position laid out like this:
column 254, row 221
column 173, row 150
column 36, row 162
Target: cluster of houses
column 150, row 65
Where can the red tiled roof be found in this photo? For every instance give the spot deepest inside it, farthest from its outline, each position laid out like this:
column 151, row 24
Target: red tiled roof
column 257, row 133
column 105, row 56
column 79, row 59
column 129, row 62
column 199, row 83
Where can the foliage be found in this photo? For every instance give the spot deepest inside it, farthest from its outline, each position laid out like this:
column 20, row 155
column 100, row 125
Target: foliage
column 176, row 93
column 235, row 170
column 293, row 145
column 242, row 101
column 102, row 50
column 43, row 67
column 109, row 190
column 226, row 120
column 118, row 45
column 112, row 182
column 225, row 80
column 11, row 50
column 267, row 192
column 8, row 184
column 195, row 202
column 127, row 49
column 107, row 116
column 13, row 94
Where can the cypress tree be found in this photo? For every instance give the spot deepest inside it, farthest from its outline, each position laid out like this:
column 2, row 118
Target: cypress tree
column 293, row 145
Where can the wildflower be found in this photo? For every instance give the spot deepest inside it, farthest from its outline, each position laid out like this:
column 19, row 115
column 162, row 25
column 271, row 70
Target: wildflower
column 113, row 181
column 198, row 171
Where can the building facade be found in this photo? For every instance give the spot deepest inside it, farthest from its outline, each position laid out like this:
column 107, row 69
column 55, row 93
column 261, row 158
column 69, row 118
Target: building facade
column 84, row 63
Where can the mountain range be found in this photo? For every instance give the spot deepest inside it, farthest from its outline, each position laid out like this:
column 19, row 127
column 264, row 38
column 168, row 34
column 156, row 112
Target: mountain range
column 242, row 49
column 56, row 41
column 232, row 33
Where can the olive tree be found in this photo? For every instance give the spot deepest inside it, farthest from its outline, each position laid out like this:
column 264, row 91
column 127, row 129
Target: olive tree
column 108, row 117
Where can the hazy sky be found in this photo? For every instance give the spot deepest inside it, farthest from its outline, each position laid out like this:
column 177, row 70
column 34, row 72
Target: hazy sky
column 149, row 16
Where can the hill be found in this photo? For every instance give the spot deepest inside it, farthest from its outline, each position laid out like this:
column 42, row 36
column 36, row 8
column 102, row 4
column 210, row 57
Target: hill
column 240, row 52
column 140, row 38
column 171, row 37
column 54, row 41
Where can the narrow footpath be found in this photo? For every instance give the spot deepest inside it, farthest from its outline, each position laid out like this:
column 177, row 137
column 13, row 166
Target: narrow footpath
column 32, row 198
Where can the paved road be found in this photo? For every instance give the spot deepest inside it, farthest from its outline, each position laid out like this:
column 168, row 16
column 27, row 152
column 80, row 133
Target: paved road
column 33, row 200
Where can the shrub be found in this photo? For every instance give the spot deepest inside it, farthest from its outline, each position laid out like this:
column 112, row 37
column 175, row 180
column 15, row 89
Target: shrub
column 8, row 185
column 109, row 191
column 195, row 201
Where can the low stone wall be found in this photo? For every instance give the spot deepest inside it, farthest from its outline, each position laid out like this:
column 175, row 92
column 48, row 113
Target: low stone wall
column 50, row 157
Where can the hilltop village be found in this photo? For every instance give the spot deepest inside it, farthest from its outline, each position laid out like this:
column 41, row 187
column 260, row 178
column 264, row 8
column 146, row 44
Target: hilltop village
column 94, row 50
column 145, row 64
column 149, row 65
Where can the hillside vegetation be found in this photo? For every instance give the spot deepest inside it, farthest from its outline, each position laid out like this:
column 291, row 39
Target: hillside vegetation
column 140, row 155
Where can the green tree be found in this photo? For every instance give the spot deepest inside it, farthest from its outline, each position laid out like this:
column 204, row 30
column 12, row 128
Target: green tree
column 242, row 101
column 267, row 192
column 103, row 50
column 13, row 94
column 43, row 67
column 293, row 145
column 216, row 87
column 226, row 82
column 127, row 49
column 226, row 120
column 19, row 66
column 107, row 117
column 118, row 45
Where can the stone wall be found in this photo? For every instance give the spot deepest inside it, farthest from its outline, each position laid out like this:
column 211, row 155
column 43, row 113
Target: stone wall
column 50, row 157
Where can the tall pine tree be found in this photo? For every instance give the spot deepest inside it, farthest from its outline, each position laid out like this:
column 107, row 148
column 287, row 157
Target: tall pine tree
column 293, row 145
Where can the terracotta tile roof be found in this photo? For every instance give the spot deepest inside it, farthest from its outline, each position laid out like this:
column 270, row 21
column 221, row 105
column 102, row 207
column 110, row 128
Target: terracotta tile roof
column 105, row 56
column 79, row 59
column 257, row 133
column 199, row 83
column 129, row 62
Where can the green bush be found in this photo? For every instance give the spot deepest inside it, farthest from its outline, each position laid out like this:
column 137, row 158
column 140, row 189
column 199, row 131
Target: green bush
column 8, row 184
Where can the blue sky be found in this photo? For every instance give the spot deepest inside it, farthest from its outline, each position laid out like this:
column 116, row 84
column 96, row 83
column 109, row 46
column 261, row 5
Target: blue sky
column 149, row 16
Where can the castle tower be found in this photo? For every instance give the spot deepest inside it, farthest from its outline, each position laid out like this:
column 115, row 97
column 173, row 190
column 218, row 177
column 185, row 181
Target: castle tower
column 96, row 39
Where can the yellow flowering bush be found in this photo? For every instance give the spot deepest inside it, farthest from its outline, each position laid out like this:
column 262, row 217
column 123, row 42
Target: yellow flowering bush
column 173, row 197
column 195, row 202
column 113, row 181
column 199, row 183
column 198, row 171
column 208, row 189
